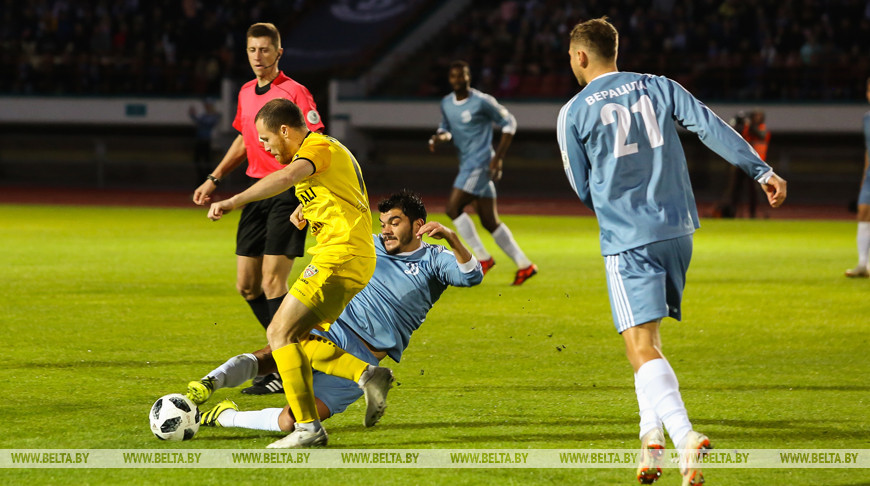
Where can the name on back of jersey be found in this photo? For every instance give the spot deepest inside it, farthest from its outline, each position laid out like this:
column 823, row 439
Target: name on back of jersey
column 615, row 92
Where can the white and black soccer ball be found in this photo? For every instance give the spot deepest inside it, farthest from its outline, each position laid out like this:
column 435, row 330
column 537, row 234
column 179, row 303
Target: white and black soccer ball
column 174, row 417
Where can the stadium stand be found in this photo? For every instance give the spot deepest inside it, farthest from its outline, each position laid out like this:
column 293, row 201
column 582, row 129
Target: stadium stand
column 128, row 47
column 719, row 49
column 144, row 63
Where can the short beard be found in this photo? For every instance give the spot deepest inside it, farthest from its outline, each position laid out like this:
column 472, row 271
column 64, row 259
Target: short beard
column 398, row 248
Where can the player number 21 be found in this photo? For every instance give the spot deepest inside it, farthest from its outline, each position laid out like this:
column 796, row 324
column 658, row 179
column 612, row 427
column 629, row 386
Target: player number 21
column 619, row 114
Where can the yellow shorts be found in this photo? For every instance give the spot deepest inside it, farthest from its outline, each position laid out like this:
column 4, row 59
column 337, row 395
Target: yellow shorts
column 329, row 282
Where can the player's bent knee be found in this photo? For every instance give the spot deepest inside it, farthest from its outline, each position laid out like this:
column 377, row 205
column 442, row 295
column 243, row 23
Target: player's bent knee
column 642, row 342
column 280, row 334
column 249, row 292
column 277, row 334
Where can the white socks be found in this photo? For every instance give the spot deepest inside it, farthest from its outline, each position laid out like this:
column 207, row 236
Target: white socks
column 465, row 227
column 505, row 240
column 648, row 418
column 863, row 243
column 502, row 236
column 658, row 384
column 266, row 419
column 234, row 371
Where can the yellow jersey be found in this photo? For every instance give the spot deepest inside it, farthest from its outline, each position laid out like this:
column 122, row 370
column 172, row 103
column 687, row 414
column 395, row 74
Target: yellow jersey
column 334, row 198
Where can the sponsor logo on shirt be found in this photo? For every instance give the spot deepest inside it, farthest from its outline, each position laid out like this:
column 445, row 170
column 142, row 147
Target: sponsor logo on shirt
column 306, row 196
column 466, row 116
column 413, row 268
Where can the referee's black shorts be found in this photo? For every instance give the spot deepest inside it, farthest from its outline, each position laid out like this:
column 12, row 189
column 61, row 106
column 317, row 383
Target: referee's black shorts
column 265, row 228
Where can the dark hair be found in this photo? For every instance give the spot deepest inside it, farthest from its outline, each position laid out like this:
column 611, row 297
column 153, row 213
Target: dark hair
column 458, row 65
column 279, row 112
column 264, row 29
column 409, row 202
column 599, row 35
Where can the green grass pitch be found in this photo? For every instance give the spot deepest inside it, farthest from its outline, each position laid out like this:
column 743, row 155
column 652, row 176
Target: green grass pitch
column 105, row 309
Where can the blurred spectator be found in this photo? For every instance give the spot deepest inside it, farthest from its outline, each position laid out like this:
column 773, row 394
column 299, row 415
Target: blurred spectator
column 205, row 124
column 159, row 47
column 720, row 49
column 754, row 129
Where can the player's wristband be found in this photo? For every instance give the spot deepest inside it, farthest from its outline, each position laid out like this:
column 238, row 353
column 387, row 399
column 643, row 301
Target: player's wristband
column 447, row 135
column 765, row 177
column 468, row 266
column 213, row 179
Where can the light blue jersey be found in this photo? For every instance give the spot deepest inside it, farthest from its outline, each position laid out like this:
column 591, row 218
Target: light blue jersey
column 470, row 122
column 867, row 131
column 864, row 194
column 403, row 288
column 624, row 159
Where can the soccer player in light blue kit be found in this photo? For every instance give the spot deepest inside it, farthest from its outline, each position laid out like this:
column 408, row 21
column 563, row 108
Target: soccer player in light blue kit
column 467, row 117
column 623, row 158
column 409, row 278
column 862, row 270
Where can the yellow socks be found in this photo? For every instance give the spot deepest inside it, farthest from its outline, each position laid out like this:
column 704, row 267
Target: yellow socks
column 295, row 371
column 325, row 356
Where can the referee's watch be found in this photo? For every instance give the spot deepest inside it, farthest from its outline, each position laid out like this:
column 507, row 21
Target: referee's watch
column 214, row 179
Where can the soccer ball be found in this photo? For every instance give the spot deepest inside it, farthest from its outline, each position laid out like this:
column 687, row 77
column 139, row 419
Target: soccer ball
column 174, row 417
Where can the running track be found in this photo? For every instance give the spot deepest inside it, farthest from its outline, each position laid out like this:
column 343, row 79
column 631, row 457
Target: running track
column 435, row 203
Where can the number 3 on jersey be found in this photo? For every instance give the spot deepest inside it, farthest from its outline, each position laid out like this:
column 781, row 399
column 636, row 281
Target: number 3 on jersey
column 621, row 115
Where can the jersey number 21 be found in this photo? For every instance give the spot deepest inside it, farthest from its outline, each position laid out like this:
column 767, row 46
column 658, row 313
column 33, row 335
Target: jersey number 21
column 616, row 113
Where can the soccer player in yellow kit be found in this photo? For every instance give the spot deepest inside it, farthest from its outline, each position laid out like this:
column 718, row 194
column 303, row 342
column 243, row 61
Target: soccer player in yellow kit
column 334, row 203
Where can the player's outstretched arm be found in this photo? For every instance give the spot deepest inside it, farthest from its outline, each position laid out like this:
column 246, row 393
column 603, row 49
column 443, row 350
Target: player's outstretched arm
column 439, row 231
column 234, row 157
column 271, row 185
column 218, row 209
column 775, row 188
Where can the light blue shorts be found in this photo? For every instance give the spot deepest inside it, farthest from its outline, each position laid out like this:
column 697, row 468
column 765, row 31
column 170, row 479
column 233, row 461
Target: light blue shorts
column 646, row 283
column 864, row 195
column 337, row 393
column 475, row 181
